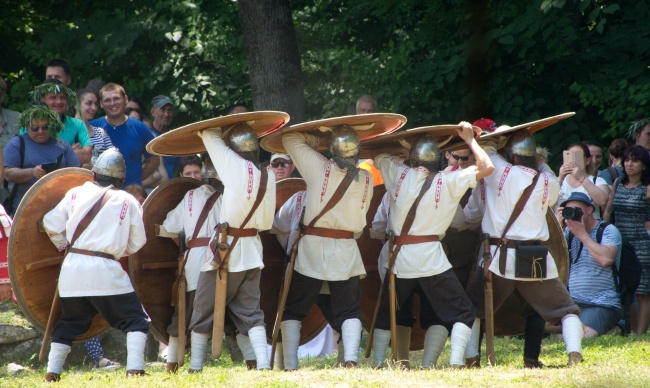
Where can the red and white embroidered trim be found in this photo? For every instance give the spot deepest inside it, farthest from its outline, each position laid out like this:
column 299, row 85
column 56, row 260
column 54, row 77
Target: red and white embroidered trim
column 249, row 188
column 438, row 189
column 299, row 209
column 125, row 207
column 502, row 181
column 189, row 201
column 400, row 180
column 328, row 170
column 72, row 199
column 365, row 190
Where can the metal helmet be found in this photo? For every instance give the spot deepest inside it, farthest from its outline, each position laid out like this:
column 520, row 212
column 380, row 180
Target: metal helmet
column 344, row 142
column 208, row 170
column 242, row 138
column 520, row 143
column 110, row 163
column 425, row 151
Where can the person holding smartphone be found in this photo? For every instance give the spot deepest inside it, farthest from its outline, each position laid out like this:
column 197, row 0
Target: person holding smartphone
column 573, row 177
column 30, row 156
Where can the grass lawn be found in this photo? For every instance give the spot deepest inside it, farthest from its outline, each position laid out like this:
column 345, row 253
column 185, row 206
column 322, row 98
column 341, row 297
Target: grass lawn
column 610, row 361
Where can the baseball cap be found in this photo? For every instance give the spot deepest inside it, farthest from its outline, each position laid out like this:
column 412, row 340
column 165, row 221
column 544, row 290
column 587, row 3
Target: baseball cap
column 160, row 101
column 487, row 125
column 280, row 156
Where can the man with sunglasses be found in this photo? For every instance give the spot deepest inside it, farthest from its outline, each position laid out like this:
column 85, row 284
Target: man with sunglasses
column 282, row 166
column 459, row 159
column 31, row 155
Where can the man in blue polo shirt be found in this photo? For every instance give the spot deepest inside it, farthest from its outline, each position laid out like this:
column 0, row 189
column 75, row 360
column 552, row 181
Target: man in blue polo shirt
column 129, row 135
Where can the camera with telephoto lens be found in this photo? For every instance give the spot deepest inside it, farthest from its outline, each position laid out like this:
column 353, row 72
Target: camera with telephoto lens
column 572, row 213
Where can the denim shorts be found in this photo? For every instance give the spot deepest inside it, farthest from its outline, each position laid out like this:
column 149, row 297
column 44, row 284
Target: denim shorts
column 599, row 318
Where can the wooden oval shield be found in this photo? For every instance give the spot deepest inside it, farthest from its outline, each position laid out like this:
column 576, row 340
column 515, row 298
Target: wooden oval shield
column 34, row 262
column 274, row 266
column 153, row 268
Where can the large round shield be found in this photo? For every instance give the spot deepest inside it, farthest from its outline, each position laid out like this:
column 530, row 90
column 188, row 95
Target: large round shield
column 153, row 268
column 34, row 262
column 273, row 274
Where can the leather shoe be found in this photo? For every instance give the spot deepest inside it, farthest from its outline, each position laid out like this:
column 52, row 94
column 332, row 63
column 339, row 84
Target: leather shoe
column 251, row 364
column 473, row 362
column 132, row 372
column 52, row 377
column 532, row 363
column 350, row 364
column 575, row 358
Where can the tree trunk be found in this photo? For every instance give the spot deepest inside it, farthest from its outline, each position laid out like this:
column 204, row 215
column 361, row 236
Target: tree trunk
column 273, row 58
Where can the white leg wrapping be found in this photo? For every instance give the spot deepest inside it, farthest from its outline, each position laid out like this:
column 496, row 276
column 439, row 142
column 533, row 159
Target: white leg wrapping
column 246, row 348
column 172, row 349
column 572, row 332
column 290, row 342
column 380, row 342
column 340, row 352
column 279, row 356
column 257, row 336
column 460, row 334
column 403, row 343
column 199, row 343
column 472, row 349
column 135, row 343
column 56, row 358
column 434, row 342
column 351, row 332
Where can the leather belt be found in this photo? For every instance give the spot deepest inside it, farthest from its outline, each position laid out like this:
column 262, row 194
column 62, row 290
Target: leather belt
column 198, row 242
column 239, row 232
column 329, row 233
column 411, row 239
column 91, row 253
column 513, row 243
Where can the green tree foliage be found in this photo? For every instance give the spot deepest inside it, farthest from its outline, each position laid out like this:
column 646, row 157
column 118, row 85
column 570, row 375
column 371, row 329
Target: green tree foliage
column 436, row 62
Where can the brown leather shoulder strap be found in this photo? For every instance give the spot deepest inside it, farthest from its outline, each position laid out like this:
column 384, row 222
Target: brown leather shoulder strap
column 410, row 216
column 260, row 195
column 336, row 197
column 204, row 212
column 83, row 224
column 519, row 207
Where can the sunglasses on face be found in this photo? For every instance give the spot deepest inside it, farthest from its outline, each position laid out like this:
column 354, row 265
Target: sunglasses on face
column 457, row 157
column 37, row 128
column 283, row 164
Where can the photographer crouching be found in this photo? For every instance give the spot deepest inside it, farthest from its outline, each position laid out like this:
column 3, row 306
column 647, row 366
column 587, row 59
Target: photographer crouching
column 591, row 281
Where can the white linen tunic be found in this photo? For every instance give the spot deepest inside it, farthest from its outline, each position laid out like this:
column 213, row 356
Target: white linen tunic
column 183, row 218
column 503, row 188
column 117, row 230
column 321, row 257
column 433, row 216
column 241, row 179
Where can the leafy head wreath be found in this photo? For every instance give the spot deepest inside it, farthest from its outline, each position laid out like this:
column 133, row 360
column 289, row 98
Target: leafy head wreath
column 49, row 87
column 38, row 112
column 636, row 127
